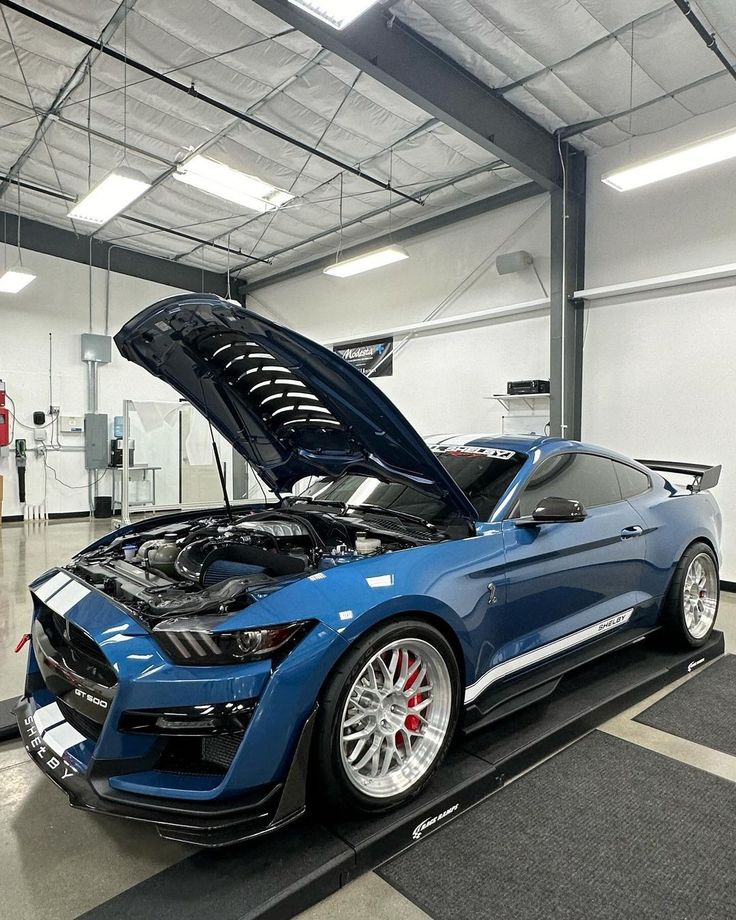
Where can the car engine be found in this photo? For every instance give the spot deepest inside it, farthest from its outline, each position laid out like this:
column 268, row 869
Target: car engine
column 217, row 563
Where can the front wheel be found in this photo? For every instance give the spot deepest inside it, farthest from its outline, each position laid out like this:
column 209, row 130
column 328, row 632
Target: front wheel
column 692, row 603
column 388, row 715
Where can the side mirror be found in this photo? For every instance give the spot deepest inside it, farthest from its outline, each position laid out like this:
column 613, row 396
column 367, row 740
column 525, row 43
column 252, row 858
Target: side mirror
column 553, row 510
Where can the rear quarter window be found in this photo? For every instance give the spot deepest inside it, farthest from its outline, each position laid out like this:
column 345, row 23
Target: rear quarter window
column 632, row 481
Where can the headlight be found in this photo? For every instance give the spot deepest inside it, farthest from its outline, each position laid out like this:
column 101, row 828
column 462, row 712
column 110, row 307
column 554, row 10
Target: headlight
column 196, row 640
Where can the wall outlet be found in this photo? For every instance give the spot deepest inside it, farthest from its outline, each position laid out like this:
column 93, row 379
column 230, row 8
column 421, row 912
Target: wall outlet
column 40, row 434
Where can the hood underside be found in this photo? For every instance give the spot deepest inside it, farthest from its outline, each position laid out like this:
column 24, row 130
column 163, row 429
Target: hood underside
column 291, row 407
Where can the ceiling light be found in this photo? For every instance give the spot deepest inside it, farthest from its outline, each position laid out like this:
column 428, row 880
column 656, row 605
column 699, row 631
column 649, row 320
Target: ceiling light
column 110, row 197
column 336, row 13
column 703, row 153
column 231, row 184
column 376, row 259
column 13, row 281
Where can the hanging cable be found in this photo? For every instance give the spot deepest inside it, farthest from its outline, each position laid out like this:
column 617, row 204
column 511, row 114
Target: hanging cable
column 228, row 267
column 125, row 84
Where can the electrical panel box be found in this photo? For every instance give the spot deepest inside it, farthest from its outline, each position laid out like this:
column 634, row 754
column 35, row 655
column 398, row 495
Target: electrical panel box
column 96, row 348
column 72, row 424
column 96, row 441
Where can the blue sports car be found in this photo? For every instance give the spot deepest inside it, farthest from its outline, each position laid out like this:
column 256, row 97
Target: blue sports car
column 210, row 671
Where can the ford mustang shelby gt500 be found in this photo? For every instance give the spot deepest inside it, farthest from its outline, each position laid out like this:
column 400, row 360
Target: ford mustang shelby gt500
column 206, row 671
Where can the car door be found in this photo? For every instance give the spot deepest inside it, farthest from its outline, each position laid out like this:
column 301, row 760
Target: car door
column 564, row 578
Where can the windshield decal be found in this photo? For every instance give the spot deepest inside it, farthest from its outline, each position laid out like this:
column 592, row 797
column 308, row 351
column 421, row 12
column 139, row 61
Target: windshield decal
column 456, row 450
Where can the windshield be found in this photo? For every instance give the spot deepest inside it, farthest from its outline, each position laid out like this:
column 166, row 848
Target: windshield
column 483, row 473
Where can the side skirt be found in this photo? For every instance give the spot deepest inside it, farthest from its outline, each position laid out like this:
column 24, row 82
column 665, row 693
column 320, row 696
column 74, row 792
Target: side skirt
column 513, row 693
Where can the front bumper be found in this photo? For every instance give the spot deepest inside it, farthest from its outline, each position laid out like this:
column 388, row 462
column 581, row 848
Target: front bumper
column 203, row 823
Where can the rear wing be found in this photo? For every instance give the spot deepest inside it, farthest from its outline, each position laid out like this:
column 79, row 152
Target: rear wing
column 704, row 477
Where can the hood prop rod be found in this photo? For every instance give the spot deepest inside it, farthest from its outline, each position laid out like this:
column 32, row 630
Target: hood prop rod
column 216, row 454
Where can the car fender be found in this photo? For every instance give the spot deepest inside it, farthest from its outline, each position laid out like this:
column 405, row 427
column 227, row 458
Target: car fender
column 354, row 597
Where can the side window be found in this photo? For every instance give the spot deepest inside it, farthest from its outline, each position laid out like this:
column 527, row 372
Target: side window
column 633, row 482
column 588, row 479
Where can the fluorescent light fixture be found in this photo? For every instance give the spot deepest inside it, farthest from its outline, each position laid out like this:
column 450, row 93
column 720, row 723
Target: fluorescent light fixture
column 110, row 197
column 376, row 259
column 231, row 184
column 13, row 281
column 336, row 13
column 683, row 160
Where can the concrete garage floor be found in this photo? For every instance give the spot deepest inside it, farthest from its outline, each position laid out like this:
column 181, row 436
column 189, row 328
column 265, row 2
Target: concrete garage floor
column 56, row 862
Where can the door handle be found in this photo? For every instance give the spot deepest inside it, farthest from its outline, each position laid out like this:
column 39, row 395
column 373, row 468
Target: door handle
column 628, row 532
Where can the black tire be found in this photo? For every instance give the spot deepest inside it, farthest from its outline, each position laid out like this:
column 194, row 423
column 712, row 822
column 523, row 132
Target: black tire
column 330, row 783
column 674, row 620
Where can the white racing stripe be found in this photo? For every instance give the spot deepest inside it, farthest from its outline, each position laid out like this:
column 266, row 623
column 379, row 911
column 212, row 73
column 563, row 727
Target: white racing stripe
column 64, row 600
column 43, row 592
column 47, row 716
column 543, row 652
column 54, row 731
column 62, row 737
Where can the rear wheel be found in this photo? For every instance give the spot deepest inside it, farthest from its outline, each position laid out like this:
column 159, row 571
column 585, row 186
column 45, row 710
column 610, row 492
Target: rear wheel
column 388, row 714
column 692, row 603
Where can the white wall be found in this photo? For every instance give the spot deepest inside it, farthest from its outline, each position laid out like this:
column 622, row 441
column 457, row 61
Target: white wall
column 440, row 381
column 58, row 302
column 659, row 376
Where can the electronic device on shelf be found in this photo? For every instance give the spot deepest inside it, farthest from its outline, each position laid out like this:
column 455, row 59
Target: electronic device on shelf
column 526, row 387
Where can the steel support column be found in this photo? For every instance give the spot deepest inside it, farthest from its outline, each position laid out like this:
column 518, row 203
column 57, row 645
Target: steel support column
column 567, row 273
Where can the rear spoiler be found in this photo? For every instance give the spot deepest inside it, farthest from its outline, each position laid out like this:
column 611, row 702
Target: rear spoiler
column 704, row 477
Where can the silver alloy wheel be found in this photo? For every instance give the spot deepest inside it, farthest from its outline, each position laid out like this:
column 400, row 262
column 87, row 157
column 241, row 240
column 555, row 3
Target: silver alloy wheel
column 395, row 718
column 700, row 595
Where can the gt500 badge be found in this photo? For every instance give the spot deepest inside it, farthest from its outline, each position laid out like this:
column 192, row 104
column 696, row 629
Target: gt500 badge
column 430, row 822
column 92, row 699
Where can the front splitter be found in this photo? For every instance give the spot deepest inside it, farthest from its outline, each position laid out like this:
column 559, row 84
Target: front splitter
column 201, row 824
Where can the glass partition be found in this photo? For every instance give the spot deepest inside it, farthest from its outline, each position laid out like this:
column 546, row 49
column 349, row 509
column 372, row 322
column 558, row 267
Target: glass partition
column 170, row 465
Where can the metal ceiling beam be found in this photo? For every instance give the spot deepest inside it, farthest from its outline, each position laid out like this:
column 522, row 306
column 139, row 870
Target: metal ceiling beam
column 192, row 91
column 54, row 241
column 425, row 193
column 567, row 316
column 396, row 56
column 68, row 87
column 429, row 224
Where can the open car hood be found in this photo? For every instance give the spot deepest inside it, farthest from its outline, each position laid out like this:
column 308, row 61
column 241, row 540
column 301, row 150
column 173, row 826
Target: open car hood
column 291, row 407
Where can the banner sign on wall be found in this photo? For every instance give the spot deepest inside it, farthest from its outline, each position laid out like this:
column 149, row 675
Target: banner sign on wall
column 373, row 357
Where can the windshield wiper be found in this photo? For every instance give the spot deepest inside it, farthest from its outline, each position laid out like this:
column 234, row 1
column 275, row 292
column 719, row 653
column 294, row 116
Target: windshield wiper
column 404, row 515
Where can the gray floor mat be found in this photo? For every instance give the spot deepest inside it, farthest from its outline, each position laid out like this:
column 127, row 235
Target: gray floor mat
column 703, row 709
column 605, row 830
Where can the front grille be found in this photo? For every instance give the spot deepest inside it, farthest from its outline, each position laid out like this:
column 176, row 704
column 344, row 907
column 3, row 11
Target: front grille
column 87, row 727
column 68, row 637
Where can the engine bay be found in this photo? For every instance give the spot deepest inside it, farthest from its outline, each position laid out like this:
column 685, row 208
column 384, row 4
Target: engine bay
column 216, row 563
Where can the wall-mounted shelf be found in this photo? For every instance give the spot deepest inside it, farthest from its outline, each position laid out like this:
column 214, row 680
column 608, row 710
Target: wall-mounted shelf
column 529, row 399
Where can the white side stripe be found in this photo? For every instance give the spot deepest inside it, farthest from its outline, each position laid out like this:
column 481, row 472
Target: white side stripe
column 543, row 652
column 43, row 592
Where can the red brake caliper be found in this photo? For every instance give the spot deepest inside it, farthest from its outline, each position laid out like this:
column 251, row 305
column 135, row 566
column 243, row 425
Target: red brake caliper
column 412, row 722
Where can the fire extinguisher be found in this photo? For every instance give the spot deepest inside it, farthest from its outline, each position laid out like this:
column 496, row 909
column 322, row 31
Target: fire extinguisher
column 4, row 418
